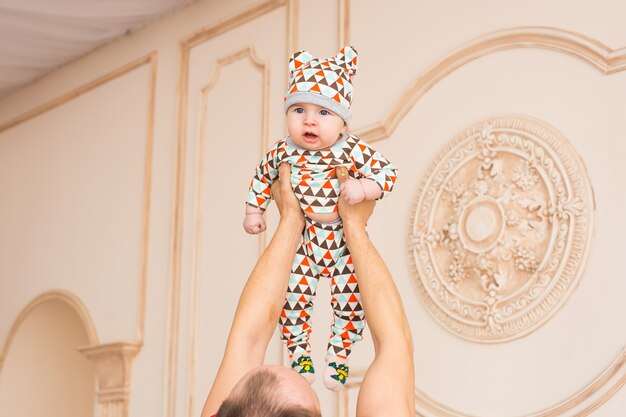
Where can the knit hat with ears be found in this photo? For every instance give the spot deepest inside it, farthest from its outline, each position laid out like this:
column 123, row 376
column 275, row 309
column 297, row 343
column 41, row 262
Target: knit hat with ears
column 324, row 82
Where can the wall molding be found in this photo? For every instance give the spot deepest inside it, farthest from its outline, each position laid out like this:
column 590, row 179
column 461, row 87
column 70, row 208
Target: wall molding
column 344, row 23
column 62, row 99
column 150, row 60
column 186, row 46
column 113, row 363
column 202, row 139
column 293, row 27
column 57, row 295
column 601, row 57
column 249, row 14
column 581, row 404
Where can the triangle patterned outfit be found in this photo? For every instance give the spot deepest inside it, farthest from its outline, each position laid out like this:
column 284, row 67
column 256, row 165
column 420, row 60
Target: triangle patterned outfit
column 322, row 251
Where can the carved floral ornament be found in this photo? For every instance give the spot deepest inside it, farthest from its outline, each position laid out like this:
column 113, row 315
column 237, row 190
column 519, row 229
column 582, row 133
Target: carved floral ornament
column 501, row 229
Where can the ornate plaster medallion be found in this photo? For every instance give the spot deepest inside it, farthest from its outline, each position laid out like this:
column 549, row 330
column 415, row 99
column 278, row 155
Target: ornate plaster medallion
column 501, row 229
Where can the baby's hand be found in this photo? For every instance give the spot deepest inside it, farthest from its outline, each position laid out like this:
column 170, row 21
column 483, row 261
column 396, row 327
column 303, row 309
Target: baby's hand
column 254, row 223
column 352, row 191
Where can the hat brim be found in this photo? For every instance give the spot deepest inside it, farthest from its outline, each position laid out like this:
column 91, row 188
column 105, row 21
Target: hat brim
column 319, row 100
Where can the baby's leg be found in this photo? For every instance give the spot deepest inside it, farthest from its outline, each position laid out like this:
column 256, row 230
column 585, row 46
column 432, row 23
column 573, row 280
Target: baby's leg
column 348, row 323
column 295, row 323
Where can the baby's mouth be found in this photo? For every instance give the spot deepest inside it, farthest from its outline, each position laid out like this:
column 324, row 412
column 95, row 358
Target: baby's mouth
column 310, row 136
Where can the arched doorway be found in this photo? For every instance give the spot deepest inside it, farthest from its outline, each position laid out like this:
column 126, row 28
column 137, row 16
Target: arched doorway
column 43, row 373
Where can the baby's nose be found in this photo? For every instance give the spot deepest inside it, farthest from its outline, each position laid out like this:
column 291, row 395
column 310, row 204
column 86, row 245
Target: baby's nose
column 309, row 118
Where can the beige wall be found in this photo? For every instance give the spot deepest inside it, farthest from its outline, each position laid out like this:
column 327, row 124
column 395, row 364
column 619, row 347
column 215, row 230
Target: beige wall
column 114, row 168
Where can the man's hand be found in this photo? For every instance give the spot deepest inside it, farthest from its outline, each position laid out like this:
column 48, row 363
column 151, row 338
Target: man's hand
column 286, row 201
column 353, row 214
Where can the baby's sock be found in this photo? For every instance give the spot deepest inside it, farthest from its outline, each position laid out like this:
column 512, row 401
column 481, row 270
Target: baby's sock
column 336, row 373
column 304, row 366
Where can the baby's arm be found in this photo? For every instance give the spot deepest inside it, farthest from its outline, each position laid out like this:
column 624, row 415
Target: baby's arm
column 379, row 176
column 259, row 194
column 254, row 222
column 355, row 191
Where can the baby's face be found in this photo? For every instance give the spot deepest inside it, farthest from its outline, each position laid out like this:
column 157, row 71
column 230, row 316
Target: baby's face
column 314, row 127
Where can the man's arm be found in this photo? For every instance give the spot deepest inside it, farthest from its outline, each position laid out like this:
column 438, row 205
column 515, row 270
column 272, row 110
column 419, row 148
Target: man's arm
column 388, row 385
column 262, row 298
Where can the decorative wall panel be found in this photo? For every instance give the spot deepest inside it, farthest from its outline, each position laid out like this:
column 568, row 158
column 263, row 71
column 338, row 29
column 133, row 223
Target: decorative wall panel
column 501, row 229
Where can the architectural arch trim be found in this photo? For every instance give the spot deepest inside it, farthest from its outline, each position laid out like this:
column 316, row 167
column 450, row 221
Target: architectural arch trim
column 187, row 44
column 580, row 404
column 202, row 136
column 216, row 71
column 248, row 52
column 343, row 23
column 149, row 60
column 60, row 295
column 601, row 57
column 238, row 19
column 78, row 91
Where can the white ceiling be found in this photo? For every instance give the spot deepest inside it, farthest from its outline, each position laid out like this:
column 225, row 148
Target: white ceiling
column 38, row 36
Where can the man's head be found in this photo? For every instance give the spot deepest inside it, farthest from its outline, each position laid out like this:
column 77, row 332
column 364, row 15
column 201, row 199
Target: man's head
column 323, row 82
column 271, row 391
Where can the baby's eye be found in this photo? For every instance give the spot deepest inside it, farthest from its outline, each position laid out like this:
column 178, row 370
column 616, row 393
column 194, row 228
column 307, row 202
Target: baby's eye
column 324, row 112
column 299, row 110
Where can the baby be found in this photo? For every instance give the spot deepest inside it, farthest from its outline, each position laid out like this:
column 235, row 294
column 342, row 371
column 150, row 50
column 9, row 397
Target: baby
column 318, row 111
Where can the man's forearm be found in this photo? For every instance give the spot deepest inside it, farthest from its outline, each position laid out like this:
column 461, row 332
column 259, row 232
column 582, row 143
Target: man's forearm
column 382, row 393
column 257, row 313
column 264, row 293
column 381, row 301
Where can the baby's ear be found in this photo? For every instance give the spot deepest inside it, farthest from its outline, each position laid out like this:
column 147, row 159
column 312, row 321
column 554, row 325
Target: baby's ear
column 297, row 59
column 347, row 58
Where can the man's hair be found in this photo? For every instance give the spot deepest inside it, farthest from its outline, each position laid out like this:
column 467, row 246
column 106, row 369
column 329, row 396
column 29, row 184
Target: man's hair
column 259, row 398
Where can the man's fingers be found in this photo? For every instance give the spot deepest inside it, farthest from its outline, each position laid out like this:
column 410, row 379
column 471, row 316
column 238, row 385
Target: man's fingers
column 284, row 170
column 284, row 175
column 342, row 174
